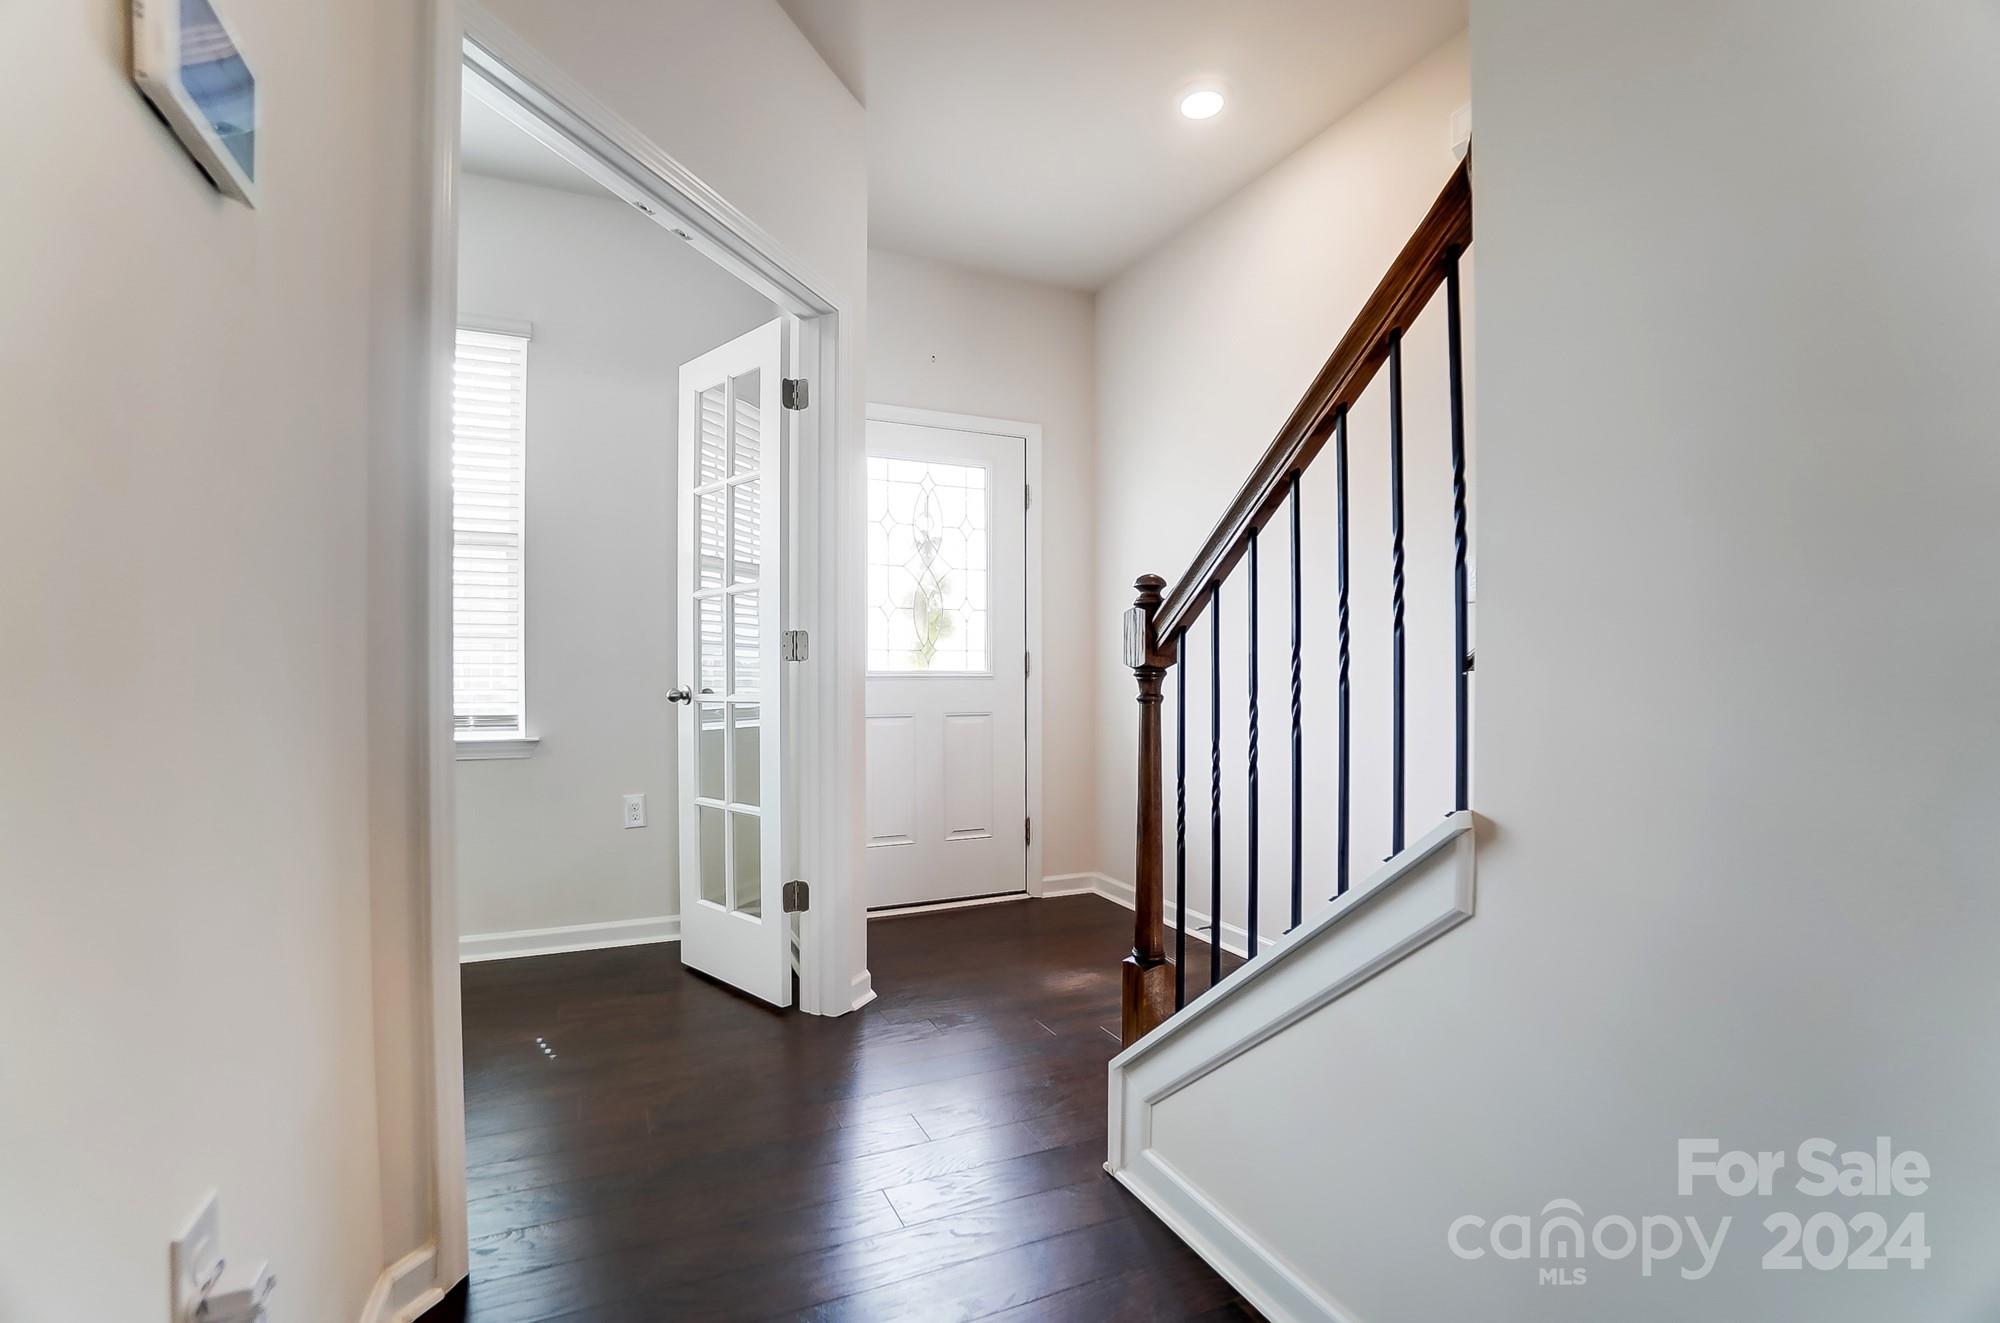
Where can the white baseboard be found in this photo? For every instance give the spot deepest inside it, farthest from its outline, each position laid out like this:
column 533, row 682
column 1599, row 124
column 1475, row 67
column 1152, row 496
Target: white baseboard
column 1235, row 939
column 1405, row 905
column 863, row 986
column 1237, row 1255
column 405, row 1289
column 938, row 906
column 418, row 1307
column 1073, row 884
column 575, row 937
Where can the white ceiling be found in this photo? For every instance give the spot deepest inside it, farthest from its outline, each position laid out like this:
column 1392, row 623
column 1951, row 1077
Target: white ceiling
column 1042, row 138
column 491, row 144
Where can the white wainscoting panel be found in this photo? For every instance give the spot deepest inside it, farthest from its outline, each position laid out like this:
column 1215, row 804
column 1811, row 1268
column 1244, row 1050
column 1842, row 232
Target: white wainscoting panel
column 1408, row 903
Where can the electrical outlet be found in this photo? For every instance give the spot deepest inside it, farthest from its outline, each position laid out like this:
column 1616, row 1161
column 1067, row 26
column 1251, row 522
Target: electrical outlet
column 635, row 810
column 196, row 1258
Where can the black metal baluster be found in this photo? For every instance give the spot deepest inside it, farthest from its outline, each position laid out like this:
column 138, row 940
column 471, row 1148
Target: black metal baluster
column 1298, row 742
column 1215, row 785
column 1462, row 797
column 1341, row 735
column 1396, row 593
column 1250, row 915
column 1180, row 823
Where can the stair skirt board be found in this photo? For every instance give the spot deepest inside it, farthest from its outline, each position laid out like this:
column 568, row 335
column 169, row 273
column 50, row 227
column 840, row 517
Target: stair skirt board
column 1235, row 939
column 1405, row 905
column 574, row 937
column 405, row 1289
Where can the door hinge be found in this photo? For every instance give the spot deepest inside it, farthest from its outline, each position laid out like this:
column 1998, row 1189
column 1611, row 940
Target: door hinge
column 1028, row 830
column 798, row 898
column 1027, row 664
column 1027, row 496
column 795, row 646
column 797, row 394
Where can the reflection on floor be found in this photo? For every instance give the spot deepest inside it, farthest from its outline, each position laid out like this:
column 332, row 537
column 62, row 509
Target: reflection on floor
column 646, row 1145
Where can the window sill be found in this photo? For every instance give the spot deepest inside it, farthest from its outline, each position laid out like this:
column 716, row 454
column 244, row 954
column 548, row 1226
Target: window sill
column 483, row 748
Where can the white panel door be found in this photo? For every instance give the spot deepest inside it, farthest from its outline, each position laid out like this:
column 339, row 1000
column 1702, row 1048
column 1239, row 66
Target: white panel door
column 733, row 446
column 947, row 684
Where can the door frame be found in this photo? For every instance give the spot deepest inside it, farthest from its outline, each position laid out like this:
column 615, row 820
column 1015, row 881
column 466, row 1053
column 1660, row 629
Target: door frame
column 823, row 734
column 1030, row 436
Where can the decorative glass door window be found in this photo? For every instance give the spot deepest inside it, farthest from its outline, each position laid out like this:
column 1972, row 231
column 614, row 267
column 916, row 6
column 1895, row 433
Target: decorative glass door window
column 927, row 549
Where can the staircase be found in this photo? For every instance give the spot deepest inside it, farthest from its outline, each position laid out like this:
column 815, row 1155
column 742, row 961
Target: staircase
column 1238, row 1028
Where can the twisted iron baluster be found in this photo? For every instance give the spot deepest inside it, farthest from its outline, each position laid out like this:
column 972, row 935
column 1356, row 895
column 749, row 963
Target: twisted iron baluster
column 1180, row 822
column 1342, row 739
column 1250, row 901
column 1215, row 786
column 1298, row 739
column 1462, row 786
column 1396, row 712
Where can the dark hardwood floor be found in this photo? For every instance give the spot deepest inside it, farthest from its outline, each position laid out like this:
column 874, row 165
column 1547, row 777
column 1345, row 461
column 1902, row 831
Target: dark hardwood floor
column 647, row 1145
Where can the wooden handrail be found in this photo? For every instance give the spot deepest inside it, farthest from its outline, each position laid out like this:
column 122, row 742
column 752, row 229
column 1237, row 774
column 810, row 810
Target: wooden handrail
column 1156, row 622
column 1415, row 276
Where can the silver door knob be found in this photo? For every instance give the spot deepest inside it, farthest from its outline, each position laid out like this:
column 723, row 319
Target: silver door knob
column 680, row 695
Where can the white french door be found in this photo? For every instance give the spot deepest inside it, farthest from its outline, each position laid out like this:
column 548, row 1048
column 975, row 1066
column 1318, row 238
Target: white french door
column 947, row 683
column 734, row 439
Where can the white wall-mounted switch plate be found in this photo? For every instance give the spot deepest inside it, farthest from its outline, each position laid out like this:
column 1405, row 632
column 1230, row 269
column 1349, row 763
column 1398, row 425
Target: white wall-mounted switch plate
column 635, row 810
column 196, row 1258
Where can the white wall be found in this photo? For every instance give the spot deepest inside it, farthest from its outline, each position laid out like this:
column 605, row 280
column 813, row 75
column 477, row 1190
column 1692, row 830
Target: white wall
column 1204, row 347
column 732, row 91
column 1736, row 701
column 205, row 408
column 617, row 305
column 962, row 341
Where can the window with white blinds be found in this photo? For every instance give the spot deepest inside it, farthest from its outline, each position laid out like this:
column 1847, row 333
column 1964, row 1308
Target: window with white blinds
column 488, row 465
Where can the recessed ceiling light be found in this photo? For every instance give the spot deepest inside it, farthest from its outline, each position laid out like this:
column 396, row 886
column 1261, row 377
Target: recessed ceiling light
column 1202, row 103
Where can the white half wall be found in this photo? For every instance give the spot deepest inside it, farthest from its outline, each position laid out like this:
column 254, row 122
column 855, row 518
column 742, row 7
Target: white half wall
column 208, row 462
column 960, row 341
column 617, row 305
column 1204, row 348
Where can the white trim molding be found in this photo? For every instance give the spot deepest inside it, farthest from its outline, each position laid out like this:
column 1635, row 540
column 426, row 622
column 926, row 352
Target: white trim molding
column 573, row 937
column 1057, row 885
column 1235, row 939
column 1409, row 902
column 863, row 988
column 477, row 749
column 538, row 95
column 405, row 1289
column 939, row 906
column 1030, row 437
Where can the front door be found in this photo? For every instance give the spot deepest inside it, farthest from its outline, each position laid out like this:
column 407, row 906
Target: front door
column 733, row 452
column 947, row 666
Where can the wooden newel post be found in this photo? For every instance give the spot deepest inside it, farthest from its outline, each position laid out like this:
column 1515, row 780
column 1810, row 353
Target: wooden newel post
column 1149, row 978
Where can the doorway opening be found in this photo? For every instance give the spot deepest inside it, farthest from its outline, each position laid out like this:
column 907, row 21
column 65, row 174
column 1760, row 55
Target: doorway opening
column 592, row 809
column 638, row 479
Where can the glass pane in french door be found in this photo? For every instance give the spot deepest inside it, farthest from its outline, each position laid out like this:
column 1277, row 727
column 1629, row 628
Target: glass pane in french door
column 729, row 647
column 714, row 856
